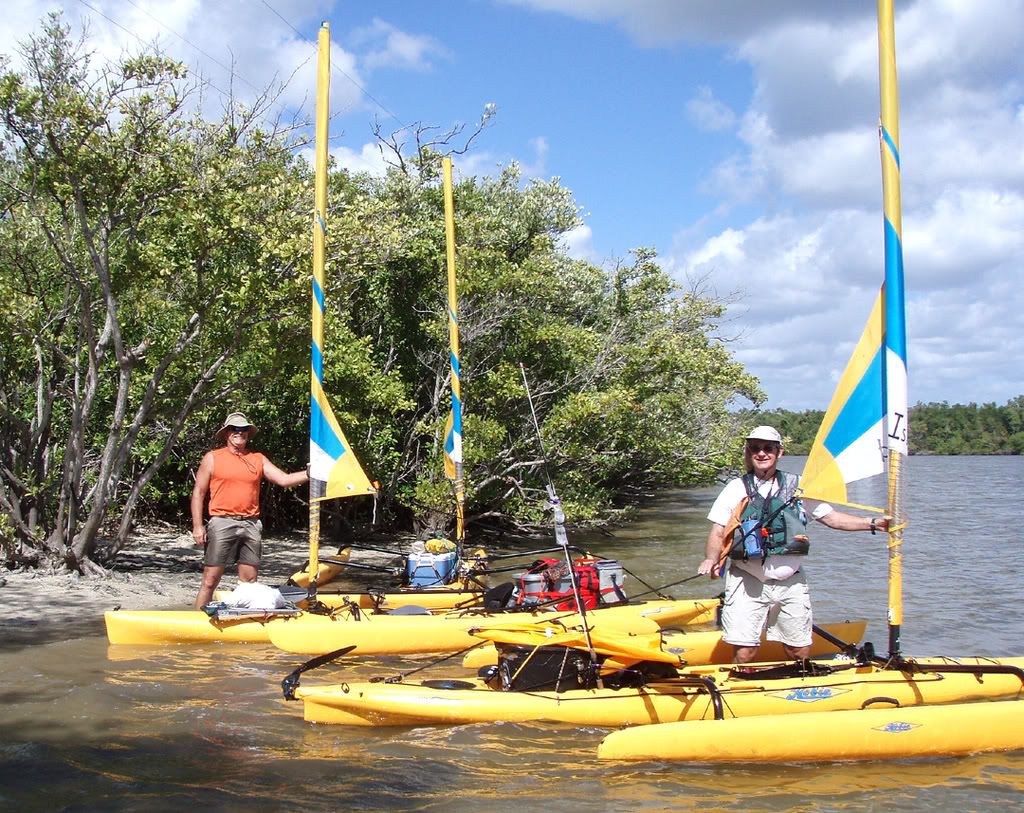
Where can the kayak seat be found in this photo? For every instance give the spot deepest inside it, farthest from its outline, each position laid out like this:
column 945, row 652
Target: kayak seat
column 409, row 609
column 499, row 597
column 293, row 594
column 447, row 684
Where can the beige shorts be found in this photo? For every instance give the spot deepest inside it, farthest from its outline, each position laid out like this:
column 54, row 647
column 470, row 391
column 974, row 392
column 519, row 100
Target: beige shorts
column 230, row 540
column 751, row 606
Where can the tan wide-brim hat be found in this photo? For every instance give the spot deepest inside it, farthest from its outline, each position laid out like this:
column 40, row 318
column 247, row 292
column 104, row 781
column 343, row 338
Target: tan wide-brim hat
column 236, row 419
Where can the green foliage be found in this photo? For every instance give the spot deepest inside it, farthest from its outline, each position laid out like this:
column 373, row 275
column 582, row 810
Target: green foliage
column 154, row 275
column 144, row 255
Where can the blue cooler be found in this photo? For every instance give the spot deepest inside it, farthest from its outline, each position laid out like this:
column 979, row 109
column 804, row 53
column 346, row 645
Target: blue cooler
column 430, row 569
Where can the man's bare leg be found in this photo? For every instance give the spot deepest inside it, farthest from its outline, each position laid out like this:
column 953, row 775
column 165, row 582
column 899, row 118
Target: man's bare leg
column 211, row 578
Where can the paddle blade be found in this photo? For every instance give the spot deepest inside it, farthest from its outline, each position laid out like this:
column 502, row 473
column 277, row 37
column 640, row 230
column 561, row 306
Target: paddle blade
column 291, row 682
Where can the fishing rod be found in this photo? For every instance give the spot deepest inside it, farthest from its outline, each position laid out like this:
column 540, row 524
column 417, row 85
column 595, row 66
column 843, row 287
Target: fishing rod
column 560, row 535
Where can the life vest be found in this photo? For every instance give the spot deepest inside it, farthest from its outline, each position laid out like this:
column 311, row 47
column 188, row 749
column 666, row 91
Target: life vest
column 773, row 525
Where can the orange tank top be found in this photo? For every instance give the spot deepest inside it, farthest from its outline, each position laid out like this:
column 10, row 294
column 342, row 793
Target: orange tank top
column 235, row 483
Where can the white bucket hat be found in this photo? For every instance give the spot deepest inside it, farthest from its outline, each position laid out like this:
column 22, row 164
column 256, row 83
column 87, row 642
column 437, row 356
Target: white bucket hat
column 236, row 419
column 765, row 433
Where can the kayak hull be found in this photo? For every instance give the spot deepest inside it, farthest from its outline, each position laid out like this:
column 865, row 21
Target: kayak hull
column 956, row 729
column 373, row 633
column 660, row 702
column 406, row 635
column 182, row 627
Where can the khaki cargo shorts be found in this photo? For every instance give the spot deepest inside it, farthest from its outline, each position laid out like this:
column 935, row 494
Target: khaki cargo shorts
column 233, row 539
column 783, row 607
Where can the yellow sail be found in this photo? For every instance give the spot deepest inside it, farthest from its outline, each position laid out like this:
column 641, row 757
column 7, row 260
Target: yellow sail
column 848, row 446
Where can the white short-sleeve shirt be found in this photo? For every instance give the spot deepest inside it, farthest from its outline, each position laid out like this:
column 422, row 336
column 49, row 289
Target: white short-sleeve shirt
column 775, row 567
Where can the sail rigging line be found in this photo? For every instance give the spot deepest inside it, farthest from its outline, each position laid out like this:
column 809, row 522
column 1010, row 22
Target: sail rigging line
column 131, row 33
column 560, row 534
column 351, row 79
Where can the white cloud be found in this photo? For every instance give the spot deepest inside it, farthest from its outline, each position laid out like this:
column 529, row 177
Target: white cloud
column 537, row 166
column 809, row 281
column 368, row 159
column 487, row 163
column 662, row 22
column 391, row 47
column 578, row 243
column 708, row 113
column 808, row 170
column 241, row 50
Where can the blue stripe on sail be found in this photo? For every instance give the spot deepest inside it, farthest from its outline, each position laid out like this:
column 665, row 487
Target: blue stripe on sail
column 892, row 147
column 895, row 328
column 456, row 415
column 456, row 430
column 455, row 366
column 320, row 431
column 449, row 444
column 318, row 293
column 317, row 360
column 862, row 410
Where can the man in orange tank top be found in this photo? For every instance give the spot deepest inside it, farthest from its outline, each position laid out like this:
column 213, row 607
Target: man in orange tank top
column 231, row 477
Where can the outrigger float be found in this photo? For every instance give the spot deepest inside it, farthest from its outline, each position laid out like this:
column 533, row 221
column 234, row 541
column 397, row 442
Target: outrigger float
column 956, row 729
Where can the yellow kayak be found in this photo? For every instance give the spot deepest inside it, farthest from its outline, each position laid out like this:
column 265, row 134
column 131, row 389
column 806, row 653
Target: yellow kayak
column 373, row 634
column 685, row 695
column 194, row 626
column 330, row 568
column 374, row 631
column 878, row 733
column 326, row 571
column 183, row 627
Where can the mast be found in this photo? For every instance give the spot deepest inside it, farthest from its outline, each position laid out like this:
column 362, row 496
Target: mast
column 317, row 486
column 453, row 434
column 334, row 470
column 894, row 357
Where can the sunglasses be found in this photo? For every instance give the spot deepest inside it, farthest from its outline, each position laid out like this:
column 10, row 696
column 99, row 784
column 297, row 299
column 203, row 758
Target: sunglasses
column 768, row 448
column 237, row 430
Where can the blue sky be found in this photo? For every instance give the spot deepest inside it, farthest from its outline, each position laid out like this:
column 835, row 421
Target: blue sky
column 736, row 137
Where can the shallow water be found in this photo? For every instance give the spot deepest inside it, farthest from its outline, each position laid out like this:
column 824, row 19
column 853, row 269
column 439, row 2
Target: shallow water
column 85, row 726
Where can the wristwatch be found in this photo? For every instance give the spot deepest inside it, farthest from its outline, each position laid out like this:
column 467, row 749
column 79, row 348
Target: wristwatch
column 872, row 527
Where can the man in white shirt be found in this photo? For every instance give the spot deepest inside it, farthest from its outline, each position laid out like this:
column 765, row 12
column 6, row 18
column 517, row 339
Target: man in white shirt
column 765, row 586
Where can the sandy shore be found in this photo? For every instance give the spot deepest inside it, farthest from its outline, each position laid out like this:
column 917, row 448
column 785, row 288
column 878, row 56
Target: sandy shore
column 162, row 569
